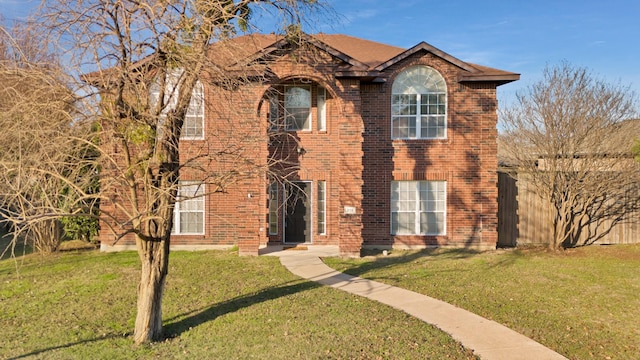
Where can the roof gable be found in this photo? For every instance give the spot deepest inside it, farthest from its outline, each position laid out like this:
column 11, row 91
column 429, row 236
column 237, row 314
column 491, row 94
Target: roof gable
column 426, row 47
column 280, row 43
column 361, row 58
column 470, row 72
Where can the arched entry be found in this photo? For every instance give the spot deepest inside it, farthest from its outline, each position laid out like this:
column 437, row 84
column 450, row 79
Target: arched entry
column 297, row 113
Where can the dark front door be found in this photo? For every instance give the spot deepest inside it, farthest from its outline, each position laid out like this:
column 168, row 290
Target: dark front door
column 297, row 226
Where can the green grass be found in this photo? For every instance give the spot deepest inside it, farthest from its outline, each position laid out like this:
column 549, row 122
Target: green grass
column 79, row 305
column 583, row 303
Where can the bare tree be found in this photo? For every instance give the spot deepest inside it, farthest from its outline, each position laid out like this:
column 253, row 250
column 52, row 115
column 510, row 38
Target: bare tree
column 568, row 137
column 40, row 142
column 147, row 60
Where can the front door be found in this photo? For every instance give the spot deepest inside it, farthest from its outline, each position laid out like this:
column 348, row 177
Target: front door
column 297, row 219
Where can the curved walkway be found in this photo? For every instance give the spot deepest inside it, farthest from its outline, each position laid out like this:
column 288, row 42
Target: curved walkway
column 488, row 339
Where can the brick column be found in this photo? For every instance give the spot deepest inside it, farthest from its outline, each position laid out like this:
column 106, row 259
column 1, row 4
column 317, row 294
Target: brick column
column 248, row 223
column 350, row 178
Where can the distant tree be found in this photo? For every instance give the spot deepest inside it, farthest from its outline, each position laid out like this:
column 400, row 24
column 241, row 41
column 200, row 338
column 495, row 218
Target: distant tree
column 40, row 142
column 568, row 137
column 148, row 60
column 83, row 206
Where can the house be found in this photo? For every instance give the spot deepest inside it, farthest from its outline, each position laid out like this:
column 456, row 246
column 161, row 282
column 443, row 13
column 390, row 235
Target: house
column 384, row 147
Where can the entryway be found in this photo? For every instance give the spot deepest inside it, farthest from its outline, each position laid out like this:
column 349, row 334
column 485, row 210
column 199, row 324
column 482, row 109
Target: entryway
column 297, row 213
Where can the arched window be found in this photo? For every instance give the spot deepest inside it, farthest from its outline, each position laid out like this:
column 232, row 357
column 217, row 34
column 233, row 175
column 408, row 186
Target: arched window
column 419, row 104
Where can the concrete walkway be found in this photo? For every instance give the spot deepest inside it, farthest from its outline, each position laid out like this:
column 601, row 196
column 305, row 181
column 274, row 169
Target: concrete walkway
column 488, row 339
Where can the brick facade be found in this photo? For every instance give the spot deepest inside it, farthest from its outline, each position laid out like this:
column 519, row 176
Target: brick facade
column 355, row 155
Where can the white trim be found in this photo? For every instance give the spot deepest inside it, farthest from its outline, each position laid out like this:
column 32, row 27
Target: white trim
column 198, row 94
column 171, row 100
column 309, row 121
column 322, row 108
column 324, row 206
column 419, row 80
column 197, row 196
column 415, row 204
column 273, row 187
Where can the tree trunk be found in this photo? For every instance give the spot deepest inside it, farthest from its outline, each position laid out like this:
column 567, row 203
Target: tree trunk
column 154, row 256
column 558, row 231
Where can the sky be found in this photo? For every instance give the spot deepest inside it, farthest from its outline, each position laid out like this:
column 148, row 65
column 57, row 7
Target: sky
column 514, row 35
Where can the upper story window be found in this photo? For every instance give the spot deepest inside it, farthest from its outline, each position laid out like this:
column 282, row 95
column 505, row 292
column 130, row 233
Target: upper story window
column 297, row 108
column 193, row 127
column 419, row 104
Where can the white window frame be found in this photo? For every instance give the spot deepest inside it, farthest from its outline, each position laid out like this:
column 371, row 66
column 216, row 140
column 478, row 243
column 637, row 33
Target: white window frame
column 321, row 203
column 195, row 112
column 416, row 201
column 288, row 98
column 321, row 105
column 274, row 111
column 194, row 118
column 195, row 197
column 274, row 205
column 419, row 101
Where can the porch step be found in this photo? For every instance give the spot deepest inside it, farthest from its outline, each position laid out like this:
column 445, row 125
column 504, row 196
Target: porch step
column 294, row 248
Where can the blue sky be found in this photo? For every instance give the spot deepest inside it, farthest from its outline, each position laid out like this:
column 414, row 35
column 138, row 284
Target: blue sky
column 513, row 35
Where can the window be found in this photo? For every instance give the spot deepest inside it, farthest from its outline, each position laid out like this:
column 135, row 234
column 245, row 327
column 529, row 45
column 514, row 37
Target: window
column 193, row 127
column 418, row 207
column 322, row 109
column 189, row 209
column 297, row 108
column 274, row 114
column 322, row 207
column 273, row 209
column 419, row 105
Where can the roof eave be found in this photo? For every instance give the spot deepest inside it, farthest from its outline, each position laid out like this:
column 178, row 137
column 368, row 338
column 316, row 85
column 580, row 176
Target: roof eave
column 499, row 79
column 104, row 78
column 356, row 73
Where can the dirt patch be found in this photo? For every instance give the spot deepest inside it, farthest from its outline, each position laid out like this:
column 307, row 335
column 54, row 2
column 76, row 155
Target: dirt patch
column 72, row 245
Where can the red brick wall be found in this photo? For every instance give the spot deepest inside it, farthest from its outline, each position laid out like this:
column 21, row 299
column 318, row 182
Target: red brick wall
column 333, row 155
column 355, row 156
column 466, row 160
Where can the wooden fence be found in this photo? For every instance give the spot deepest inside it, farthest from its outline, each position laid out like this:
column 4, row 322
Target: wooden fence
column 525, row 218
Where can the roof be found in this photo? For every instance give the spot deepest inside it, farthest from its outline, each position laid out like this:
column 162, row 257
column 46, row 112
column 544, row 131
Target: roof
column 367, row 58
column 363, row 58
column 368, row 52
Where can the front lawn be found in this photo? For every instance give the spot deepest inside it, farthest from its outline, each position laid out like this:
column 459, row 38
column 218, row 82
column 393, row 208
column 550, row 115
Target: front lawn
column 583, row 303
column 81, row 305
